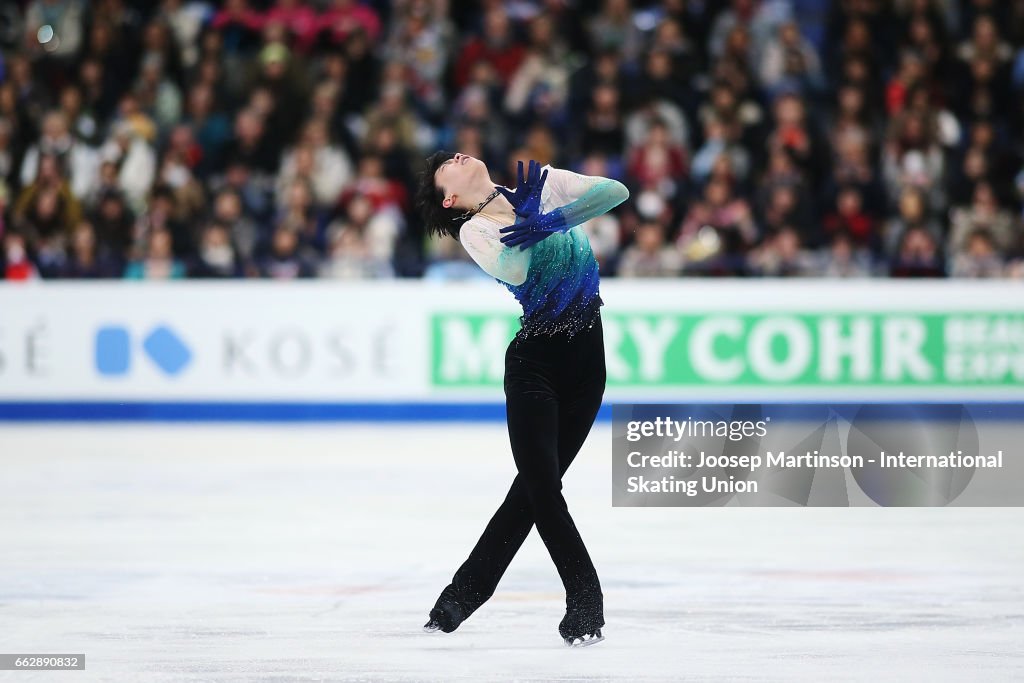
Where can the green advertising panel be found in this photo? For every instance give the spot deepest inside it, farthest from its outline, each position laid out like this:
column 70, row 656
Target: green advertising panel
column 746, row 349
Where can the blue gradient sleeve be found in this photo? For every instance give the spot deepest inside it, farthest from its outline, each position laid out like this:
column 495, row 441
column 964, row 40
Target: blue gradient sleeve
column 598, row 199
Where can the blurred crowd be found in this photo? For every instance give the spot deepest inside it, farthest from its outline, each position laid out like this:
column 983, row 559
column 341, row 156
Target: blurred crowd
column 282, row 139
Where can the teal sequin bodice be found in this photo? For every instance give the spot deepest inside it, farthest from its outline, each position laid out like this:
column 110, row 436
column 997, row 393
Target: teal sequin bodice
column 560, row 294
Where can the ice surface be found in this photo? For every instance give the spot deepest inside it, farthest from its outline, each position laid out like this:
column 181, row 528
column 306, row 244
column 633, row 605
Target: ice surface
column 268, row 553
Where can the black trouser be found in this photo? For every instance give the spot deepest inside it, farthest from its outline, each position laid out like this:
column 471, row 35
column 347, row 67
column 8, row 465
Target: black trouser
column 553, row 388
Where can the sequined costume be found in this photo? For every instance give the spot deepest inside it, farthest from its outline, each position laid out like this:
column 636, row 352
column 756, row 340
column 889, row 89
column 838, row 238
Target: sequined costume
column 555, row 280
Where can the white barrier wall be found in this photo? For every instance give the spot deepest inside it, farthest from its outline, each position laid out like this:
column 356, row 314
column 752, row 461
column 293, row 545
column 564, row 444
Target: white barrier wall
column 756, row 340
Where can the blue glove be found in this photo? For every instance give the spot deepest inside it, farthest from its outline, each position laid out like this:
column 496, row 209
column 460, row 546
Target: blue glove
column 525, row 200
column 533, row 229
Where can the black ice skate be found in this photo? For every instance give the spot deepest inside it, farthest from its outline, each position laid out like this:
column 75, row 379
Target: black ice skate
column 581, row 625
column 585, row 639
column 433, row 622
column 447, row 614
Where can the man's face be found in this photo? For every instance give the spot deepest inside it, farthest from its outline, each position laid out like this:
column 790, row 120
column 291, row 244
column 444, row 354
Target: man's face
column 456, row 177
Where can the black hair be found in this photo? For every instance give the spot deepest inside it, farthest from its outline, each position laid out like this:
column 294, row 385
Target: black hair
column 436, row 218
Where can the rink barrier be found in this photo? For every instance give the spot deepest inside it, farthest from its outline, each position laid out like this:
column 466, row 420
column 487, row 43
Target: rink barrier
column 291, row 412
column 411, row 350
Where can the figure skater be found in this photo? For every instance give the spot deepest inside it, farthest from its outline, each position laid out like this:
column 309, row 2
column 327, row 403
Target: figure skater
column 529, row 240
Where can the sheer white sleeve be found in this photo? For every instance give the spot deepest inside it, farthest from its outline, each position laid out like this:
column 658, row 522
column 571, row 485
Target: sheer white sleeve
column 582, row 197
column 482, row 240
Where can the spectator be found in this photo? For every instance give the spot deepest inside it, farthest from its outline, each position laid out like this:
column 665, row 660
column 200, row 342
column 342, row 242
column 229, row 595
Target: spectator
column 383, row 193
column 157, row 94
column 285, row 262
column 918, row 256
column 418, row 41
column 161, row 214
column 852, row 119
column 216, row 257
column 137, row 123
column 672, row 65
column 719, row 228
column 913, row 157
column 83, row 123
column 913, row 213
column 721, row 139
column 497, row 47
column 86, row 258
column 378, row 231
column 114, row 223
column 984, row 213
column 351, row 257
column 784, row 210
column 239, row 25
column 246, row 234
column 794, row 133
column 185, row 21
column 851, row 217
column 985, row 42
column 297, row 212
column 758, row 17
column 539, row 87
column 209, row 126
column 650, row 256
column 281, row 83
column 614, row 28
column 80, row 162
column 250, row 145
column 978, row 259
column 344, row 18
column 324, row 169
column 659, row 163
column 782, row 255
column 135, row 162
column 789, row 59
column 15, row 258
column 602, row 130
column 159, row 262
column 47, row 209
column 299, row 21
column 842, row 259
column 363, row 72
column 392, row 112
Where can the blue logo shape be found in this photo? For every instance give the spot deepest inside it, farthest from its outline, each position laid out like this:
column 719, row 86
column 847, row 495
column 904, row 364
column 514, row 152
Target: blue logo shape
column 113, row 351
column 167, row 350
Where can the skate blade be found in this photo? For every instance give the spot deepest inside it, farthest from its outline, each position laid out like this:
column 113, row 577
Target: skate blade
column 584, row 642
column 431, row 627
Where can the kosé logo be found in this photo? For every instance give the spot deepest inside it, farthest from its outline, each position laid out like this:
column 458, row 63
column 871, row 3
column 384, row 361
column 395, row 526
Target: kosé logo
column 164, row 348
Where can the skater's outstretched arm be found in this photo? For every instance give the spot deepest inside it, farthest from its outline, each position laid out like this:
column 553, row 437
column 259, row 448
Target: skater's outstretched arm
column 576, row 199
column 579, row 198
